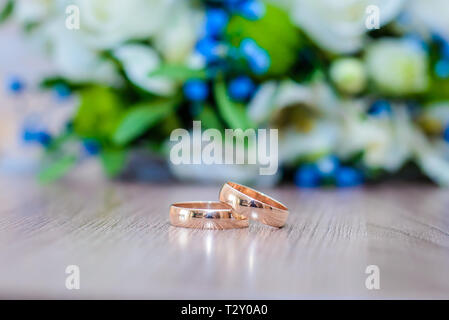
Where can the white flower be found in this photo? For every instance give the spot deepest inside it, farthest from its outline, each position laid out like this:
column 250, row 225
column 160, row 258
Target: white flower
column 434, row 118
column 436, row 166
column 432, row 157
column 385, row 142
column 272, row 97
column 177, row 38
column 397, row 67
column 73, row 58
column 320, row 140
column 339, row 26
column 438, row 111
column 107, row 23
column 138, row 61
column 349, row 75
column 429, row 16
column 32, row 11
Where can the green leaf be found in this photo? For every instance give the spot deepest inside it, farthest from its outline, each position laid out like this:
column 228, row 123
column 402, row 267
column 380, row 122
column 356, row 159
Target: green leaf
column 6, row 11
column 57, row 169
column 140, row 118
column 274, row 32
column 234, row 114
column 209, row 119
column 99, row 113
column 178, row 72
column 113, row 161
column 439, row 90
column 58, row 141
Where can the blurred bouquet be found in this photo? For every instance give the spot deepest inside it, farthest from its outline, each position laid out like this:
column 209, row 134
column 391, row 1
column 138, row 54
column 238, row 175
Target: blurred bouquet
column 358, row 89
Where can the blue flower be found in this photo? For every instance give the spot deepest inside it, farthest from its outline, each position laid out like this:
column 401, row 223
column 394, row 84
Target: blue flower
column 241, row 88
column 196, row 90
column 327, row 166
column 15, row 85
column 442, row 69
column 252, row 9
column 380, row 108
column 446, row 134
column 348, row 177
column 208, row 47
column 62, row 91
column 307, row 176
column 216, row 21
column 91, row 146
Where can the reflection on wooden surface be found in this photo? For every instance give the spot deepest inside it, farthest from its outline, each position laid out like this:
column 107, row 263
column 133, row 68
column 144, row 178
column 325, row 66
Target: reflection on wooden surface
column 119, row 236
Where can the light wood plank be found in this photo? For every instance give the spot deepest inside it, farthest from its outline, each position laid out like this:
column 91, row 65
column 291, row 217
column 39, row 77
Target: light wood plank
column 119, row 235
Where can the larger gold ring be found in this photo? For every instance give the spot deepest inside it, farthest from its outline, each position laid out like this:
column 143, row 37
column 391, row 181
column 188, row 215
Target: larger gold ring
column 252, row 204
column 205, row 215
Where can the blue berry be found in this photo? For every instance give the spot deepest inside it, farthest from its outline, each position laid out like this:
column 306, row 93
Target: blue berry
column 216, row 21
column 62, row 91
column 438, row 39
column 196, row 90
column 307, row 176
column 91, row 146
column 15, row 85
column 417, row 42
column 241, row 88
column 442, row 69
column 28, row 135
column 261, row 63
column 446, row 134
column 258, row 58
column 348, row 177
column 232, row 3
column 252, row 9
column 445, row 51
column 379, row 108
column 44, row 138
column 208, row 48
column 327, row 166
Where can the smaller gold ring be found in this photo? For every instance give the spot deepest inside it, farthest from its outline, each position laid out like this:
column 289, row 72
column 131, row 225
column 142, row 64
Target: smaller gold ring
column 252, row 204
column 205, row 215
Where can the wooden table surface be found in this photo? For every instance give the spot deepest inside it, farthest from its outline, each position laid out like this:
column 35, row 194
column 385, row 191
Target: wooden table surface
column 119, row 236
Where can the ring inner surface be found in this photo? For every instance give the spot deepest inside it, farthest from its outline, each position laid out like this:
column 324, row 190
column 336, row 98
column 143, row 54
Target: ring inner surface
column 203, row 210
column 213, row 205
column 258, row 196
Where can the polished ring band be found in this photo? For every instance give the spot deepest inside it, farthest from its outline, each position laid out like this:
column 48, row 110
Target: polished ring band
column 205, row 215
column 252, row 204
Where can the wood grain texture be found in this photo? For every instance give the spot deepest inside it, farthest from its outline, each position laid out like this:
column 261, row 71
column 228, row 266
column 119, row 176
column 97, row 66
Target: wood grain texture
column 119, row 236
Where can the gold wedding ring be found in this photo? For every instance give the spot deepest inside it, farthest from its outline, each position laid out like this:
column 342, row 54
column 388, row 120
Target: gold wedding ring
column 252, row 204
column 205, row 215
